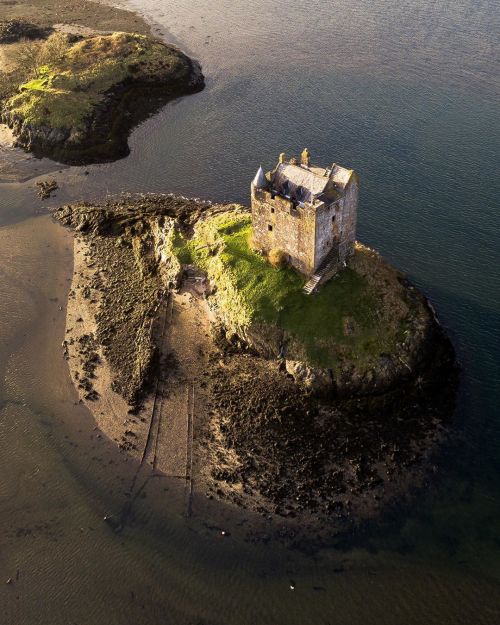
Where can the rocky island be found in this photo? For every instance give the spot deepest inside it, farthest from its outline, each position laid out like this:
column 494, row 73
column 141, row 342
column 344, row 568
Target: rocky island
column 75, row 98
column 318, row 406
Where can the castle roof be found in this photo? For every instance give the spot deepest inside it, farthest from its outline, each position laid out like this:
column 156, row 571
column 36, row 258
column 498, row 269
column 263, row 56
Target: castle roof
column 306, row 183
column 341, row 176
column 259, row 182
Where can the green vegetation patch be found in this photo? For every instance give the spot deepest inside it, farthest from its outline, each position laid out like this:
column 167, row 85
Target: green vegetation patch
column 43, row 81
column 347, row 320
column 64, row 90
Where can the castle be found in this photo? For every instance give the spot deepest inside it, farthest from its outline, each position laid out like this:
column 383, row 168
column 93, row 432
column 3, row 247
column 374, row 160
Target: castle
column 307, row 212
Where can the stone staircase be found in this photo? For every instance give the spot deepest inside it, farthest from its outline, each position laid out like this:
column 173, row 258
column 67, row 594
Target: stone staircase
column 311, row 284
column 327, row 270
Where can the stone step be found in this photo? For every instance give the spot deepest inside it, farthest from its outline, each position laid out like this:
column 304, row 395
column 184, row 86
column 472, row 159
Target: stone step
column 328, row 269
column 311, row 284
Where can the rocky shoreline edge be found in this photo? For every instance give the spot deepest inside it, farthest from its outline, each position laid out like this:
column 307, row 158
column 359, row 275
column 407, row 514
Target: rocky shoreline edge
column 124, row 108
column 102, row 135
column 263, row 439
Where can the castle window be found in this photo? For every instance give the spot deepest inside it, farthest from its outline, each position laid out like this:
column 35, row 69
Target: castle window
column 333, row 217
column 272, row 209
column 270, row 228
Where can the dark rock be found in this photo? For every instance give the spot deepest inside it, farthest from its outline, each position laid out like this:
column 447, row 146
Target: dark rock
column 16, row 29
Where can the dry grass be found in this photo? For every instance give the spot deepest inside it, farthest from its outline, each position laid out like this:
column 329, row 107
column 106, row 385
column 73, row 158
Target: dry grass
column 69, row 81
column 277, row 258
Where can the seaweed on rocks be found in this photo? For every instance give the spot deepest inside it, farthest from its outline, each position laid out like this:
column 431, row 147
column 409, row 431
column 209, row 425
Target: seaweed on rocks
column 279, row 448
column 46, row 188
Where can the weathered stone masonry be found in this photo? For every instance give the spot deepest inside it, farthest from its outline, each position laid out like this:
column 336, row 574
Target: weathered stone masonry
column 307, row 212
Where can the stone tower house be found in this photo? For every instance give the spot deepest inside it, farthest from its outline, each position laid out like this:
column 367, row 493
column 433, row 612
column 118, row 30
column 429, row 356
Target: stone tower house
column 306, row 211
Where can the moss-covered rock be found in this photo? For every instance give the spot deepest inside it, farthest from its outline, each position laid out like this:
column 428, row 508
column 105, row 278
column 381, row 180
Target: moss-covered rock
column 80, row 107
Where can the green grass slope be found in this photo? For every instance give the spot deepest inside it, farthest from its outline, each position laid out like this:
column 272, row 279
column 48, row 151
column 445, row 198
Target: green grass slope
column 358, row 316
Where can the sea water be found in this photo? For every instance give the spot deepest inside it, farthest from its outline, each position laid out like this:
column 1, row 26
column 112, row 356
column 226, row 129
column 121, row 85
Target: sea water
column 406, row 93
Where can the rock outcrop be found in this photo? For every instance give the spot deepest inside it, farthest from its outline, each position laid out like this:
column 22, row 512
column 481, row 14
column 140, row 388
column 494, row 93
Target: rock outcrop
column 80, row 109
column 279, row 434
column 16, row 29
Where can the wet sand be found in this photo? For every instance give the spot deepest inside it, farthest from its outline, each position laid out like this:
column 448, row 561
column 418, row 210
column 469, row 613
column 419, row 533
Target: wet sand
column 16, row 165
column 163, row 432
column 109, row 409
column 157, row 432
column 187, row 344
column 81, row 12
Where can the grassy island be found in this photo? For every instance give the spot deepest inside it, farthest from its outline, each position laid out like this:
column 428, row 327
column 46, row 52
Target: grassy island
column 63, row 94
column 363, row 313
column 76, row 105
column 365, row 380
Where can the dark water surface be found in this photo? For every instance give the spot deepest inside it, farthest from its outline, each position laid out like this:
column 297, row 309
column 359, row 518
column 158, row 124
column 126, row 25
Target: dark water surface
column 407, row 94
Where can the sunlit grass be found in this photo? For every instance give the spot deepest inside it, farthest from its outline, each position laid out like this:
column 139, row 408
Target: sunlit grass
column 64, row 93
column 345, row 320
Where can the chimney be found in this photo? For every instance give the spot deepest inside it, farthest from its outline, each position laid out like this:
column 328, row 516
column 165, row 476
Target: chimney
column 282, row 158
column 305, row 158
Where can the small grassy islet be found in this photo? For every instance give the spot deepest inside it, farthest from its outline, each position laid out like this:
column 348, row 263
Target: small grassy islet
column 64, row 93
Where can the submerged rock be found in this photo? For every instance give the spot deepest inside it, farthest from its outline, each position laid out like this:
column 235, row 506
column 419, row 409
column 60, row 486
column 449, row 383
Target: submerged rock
column 46, row 188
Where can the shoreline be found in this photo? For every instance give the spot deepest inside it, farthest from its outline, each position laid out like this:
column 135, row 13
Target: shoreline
column 85, row 357
column 18, row 166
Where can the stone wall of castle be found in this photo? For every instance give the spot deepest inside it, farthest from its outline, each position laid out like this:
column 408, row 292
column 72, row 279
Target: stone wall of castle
column 306, row 233
column 279, row 224
column 327, row 231
column 336, row 225
column 349, row 212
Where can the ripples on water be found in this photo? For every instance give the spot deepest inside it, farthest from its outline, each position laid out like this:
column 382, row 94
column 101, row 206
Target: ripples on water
column 406, row 93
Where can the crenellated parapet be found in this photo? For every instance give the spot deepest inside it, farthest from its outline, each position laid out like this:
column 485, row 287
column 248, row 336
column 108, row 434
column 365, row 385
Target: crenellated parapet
column 307, row 212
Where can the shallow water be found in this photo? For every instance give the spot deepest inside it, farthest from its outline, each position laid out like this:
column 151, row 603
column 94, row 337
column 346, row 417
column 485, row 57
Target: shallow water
column 406, row 94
